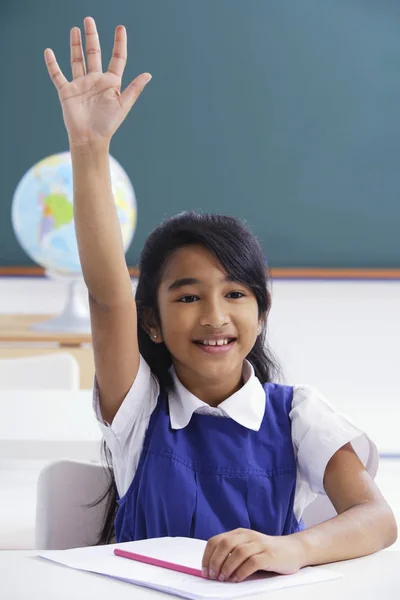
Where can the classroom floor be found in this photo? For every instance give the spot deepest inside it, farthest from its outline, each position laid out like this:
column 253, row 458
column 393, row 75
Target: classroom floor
column 18, row 499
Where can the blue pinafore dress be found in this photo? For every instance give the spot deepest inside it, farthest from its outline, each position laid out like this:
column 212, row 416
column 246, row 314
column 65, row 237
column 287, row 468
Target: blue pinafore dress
column 212, row 476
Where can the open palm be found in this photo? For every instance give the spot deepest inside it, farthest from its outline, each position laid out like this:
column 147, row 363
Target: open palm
column 92, row 103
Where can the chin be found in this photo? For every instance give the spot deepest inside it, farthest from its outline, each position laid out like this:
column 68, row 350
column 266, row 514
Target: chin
column 215, row 370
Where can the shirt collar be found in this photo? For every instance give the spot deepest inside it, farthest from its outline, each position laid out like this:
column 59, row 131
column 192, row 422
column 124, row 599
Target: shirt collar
column 246, row 406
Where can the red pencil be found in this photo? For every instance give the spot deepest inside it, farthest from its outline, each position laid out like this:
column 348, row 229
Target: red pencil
column 157, row 562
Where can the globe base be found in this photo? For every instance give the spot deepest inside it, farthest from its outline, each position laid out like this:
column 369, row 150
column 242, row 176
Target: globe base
column 74, row 318
column 64, row 323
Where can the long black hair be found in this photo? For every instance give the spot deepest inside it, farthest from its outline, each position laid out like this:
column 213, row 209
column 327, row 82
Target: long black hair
column 240, row 254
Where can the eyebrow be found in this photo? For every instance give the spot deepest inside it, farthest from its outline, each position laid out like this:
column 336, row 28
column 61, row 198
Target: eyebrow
column 178, row 283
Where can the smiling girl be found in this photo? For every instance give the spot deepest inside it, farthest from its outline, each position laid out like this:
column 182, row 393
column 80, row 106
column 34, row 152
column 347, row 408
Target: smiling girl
column 203, row 443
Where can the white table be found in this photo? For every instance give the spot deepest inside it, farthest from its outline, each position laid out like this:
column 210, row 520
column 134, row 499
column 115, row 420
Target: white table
column 25, row 577
column 47, row 425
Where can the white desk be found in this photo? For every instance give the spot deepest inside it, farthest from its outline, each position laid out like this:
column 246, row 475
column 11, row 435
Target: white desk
column 48, row 425
column 24, row 577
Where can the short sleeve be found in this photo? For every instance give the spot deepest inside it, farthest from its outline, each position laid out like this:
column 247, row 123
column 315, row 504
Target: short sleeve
column 318, row 431
column 125, row 436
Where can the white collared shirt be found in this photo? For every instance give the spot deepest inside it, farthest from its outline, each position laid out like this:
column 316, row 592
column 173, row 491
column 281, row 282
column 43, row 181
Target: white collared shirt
column 318, row 430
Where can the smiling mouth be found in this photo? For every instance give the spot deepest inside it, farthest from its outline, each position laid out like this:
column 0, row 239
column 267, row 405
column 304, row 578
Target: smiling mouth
column 215, row 346
column 213, row 343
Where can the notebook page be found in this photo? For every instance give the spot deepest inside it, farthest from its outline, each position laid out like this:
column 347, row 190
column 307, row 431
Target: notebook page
column 182, row 551
column 101, row 559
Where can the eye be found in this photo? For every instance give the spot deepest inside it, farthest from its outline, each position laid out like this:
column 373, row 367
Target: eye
column 235, row 295
column 188, row 299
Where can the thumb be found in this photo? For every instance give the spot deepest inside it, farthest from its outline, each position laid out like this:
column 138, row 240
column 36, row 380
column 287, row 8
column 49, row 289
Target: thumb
column 133, row 91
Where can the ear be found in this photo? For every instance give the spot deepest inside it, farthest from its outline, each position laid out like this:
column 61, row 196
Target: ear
column 151, row 326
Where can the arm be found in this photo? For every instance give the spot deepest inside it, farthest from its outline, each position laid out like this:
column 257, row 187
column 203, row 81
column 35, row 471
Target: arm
column 98, row 231
column 93, row 109
column 364, row 523
column 111, row 302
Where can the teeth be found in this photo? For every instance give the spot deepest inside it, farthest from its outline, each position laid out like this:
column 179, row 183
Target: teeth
column 215, row 342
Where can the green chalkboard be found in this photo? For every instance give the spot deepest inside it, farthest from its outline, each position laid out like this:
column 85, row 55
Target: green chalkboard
column 284, row 113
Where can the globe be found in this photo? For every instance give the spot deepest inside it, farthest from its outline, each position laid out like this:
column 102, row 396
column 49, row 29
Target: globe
column 42, row 219
column 42, row 212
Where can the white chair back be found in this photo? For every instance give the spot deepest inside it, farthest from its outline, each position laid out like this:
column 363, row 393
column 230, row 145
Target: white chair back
column 56, row 371
column 65, row 488
column 63, row 518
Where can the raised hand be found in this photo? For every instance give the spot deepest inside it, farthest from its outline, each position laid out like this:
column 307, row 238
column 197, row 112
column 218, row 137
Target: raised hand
column 92, row 103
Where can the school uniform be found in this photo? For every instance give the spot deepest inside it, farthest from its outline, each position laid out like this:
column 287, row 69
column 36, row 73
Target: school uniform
column 183, row 468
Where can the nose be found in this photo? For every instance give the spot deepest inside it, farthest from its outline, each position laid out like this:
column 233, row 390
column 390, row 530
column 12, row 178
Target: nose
column 214, row 315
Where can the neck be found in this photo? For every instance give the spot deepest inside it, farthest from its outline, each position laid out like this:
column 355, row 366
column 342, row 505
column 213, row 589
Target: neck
column 211, row 391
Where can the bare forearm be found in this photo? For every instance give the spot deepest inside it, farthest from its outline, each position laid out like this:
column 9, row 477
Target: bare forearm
column 360, row 530
column 97, row 226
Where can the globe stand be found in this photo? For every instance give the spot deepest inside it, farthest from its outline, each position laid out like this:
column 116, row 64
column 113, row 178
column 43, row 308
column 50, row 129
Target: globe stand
column 75, row 316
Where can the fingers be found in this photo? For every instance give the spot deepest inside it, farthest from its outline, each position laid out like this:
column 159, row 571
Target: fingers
column 236, row 558
column 54, row 70
column 77, row 59
column 208, row 552
column 93, row 51
column 254, row 563
column 133, row 91
column 119, row 53
column 219, row 548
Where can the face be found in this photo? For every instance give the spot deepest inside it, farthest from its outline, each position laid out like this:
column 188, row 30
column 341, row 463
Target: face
column 209, row 323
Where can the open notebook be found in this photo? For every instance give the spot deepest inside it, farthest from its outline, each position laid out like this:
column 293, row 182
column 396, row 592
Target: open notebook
column 181, row 551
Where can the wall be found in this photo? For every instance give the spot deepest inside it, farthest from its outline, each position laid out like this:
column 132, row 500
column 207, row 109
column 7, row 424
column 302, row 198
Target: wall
column 283, row 113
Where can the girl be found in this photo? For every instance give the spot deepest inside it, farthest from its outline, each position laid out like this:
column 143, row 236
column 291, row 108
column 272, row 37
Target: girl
column 203, row 443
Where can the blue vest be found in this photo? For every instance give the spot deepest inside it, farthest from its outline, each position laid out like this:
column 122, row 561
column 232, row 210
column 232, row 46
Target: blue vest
column 213, row 476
